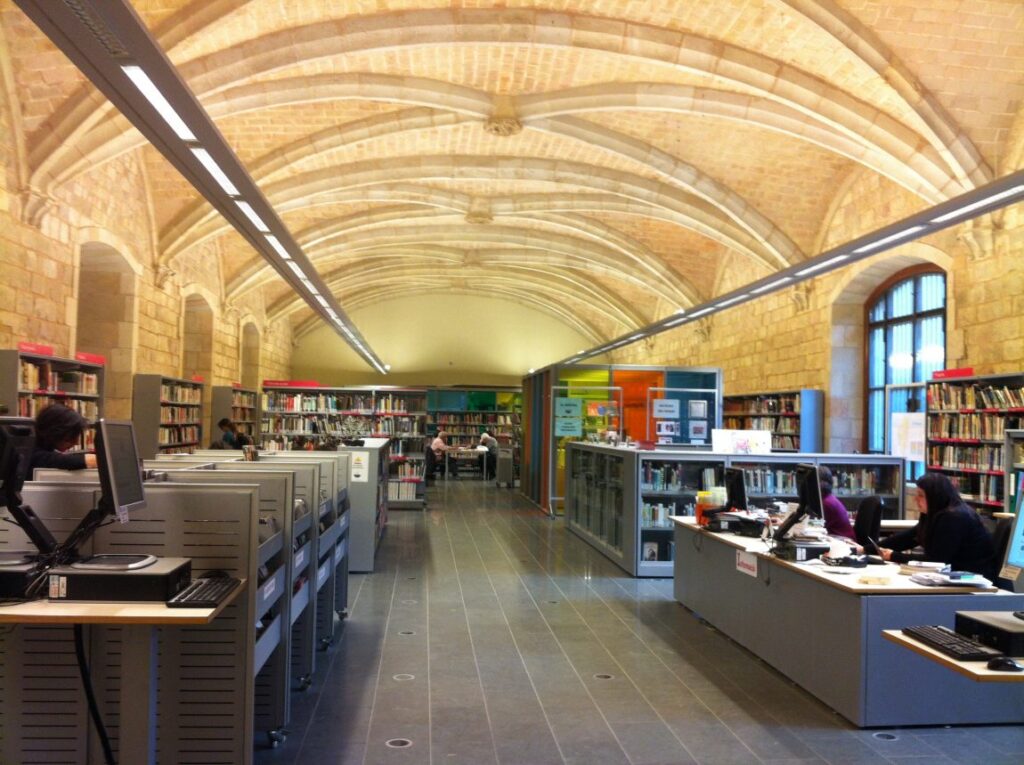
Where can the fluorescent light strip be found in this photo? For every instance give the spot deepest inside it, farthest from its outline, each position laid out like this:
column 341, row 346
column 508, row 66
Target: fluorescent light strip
column 968, row 209
column 732, row 300
column 297, row 269
column 257, row 221
column 156, row 99
column 702, row 311
column 823, row 264
column 274, row 242
column 320, row 299
column 677, row 321
column 771, row 285
column 215, row 171
column 637, row 336
column 891, row 238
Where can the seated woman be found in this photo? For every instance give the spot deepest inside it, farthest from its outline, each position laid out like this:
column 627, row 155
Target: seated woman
column 948, row 530
column 58, row 429
column 837, row 520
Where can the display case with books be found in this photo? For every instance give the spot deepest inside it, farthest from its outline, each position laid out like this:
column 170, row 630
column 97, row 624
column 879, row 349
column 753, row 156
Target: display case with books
column 597, row 498
column 168, row 414
column 32, row 378
column 967, row 422
column 794, row 418
column 238, row 404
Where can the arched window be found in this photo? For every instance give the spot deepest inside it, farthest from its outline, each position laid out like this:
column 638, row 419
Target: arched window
column 906, row 342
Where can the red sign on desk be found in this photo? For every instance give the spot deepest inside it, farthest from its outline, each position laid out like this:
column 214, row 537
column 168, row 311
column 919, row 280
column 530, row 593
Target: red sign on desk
column 950, row 374
column 36, row 348
column 90, row 358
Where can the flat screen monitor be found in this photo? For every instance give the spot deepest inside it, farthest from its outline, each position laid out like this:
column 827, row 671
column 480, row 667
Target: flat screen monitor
column 118, row 461
column 735, row 489
column 1013, row 563
column 808, row 496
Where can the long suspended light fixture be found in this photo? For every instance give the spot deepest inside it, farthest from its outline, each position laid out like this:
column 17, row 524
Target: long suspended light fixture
column 111, row 45
column 998, row 194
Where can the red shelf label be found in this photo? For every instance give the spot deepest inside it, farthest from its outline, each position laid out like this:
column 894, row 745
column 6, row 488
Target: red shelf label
column 291, row 384
column 950, row 374
column 37, row 348
column 197, row 378
column 90, row 358
column 236, row 385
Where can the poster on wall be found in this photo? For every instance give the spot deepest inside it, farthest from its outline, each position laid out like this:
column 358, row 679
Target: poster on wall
column 698, row 410
column 665, row 409
column 741, row 441
column 907, row 435
column 567, row 427
column 568, row 407
column 698, row 431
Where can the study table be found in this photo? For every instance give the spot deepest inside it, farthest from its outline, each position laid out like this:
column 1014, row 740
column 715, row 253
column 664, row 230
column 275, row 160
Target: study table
column 821, row 627
column 139, row 623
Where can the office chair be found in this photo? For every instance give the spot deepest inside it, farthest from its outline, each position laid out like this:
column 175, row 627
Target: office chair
column 429, row 464
column 868, row 524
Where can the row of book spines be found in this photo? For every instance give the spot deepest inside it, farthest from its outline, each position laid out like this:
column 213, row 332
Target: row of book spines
column 242, row 414
column 313, row 402
column 783, row 425
column 974, row 396
column 967, row 457
column 169, row 415
column 673, row 478
column 406, row 470
column 978, row 487
column 43, row 376
column 31, row 406
column 243, row 400
column 473, row 419
column 170, row 434
column 401, row 492
column 762, row 405
column 178, row 393
column 967, row 426
column 494, row 431
column 763, row 481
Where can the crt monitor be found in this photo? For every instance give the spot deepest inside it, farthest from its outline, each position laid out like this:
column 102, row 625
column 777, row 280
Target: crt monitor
column 735, row 489
column 1013, row 562
column 809, row 499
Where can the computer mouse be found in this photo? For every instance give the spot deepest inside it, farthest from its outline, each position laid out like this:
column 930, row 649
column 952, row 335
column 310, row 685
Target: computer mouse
column 1005, row 664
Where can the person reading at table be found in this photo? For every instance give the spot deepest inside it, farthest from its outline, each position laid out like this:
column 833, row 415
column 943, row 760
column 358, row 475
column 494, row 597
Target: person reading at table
column 440, row 448
column 58, row 429
column 837, row 520
column 948, row 531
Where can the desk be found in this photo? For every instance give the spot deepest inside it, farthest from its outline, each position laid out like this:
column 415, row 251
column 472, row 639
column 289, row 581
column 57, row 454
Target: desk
column 977, row 671
column 898, row 524
column 469, row 455
column 823, row 630
column 139, row 622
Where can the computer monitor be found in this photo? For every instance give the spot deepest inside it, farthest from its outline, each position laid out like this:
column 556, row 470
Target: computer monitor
column 1013, row 561
column 808, row 496
column 735, row 489
column 117, row 459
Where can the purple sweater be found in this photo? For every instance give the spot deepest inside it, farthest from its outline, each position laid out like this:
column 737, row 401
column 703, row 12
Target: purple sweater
column 837, row 520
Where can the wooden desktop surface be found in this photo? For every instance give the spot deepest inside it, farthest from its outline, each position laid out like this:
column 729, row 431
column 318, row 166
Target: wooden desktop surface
column 81, row 612
column 975, row 670
column 840, row 577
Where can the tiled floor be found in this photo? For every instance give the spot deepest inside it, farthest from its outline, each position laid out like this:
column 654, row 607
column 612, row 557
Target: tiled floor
column 489, row 634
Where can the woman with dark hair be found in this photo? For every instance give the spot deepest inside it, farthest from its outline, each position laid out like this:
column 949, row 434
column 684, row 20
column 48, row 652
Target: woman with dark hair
column 58, row 429
column 948, row 530
column 837, row 520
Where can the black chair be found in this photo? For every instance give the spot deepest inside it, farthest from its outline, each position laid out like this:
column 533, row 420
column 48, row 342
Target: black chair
column 429, row 464
column 868, row 524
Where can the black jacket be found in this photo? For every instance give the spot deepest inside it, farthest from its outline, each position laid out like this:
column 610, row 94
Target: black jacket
column 955, row 536
column 50, row 458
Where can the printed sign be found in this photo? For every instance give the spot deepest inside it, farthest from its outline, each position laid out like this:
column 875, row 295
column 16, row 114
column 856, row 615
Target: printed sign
column 37, row 348
column 91, row 358
column 907, row 435
column 359, row 467
column 949, row 374
column 568, row 407
column 291, row 384
column 665, row 408
column 568, row 426
column 268, row 589
column 197, row 378
column 741, row 441
column 746, row 563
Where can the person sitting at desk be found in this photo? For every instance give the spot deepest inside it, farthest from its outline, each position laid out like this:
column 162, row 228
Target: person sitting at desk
column 58, row 429
column 440, row 449
column 229, row 433
column 837, row 520
column 948, row 530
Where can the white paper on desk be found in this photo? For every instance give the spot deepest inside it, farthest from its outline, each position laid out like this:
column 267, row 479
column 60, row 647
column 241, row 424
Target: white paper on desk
column 746, row 563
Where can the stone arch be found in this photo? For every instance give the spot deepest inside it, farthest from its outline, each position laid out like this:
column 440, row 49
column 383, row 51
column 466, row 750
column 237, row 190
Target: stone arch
column 249, row 355
column 844, row 410
column 106, row 321
column 197, row 328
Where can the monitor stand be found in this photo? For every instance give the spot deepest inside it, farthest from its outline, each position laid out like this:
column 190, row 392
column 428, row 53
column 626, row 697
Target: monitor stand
column 114, row 562
column 17, row 557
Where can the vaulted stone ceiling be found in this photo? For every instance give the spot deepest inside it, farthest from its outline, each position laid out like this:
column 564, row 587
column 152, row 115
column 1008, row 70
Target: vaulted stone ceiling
column 601, row 160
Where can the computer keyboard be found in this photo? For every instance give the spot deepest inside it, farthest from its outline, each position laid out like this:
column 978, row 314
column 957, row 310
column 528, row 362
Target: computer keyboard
column 204, row 593
column 956, row 646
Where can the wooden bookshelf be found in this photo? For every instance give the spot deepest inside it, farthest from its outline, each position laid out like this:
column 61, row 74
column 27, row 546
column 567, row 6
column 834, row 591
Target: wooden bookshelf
column 795, row 418
column 168, row 414
column 967, row 422
column 31, row 381
column 241, row 405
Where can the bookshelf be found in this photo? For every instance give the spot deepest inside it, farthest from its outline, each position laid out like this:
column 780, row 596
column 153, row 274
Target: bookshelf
column 1013, row 453
column 466, row 413
column 238, row 404
column 168, row 414
column 795, row 418
column 967, row 422
column 313, row 411
column 31, row 381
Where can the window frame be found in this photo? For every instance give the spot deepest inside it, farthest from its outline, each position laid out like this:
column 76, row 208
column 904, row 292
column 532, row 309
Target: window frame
column 881, row 293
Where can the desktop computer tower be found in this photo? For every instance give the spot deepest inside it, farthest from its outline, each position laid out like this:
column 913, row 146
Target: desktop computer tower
column 158, row 582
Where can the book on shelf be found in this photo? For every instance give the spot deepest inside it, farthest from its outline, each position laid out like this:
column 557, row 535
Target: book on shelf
column 399, row 491
column 178, row 434
column 44, row 376
column 966, row 457
column 974, row 395
column 181, row 393
column 30, row 406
